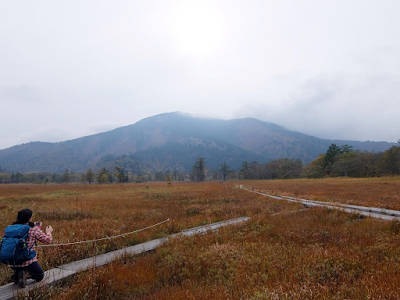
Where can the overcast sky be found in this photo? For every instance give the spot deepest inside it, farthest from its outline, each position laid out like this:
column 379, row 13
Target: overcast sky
column 74, row 68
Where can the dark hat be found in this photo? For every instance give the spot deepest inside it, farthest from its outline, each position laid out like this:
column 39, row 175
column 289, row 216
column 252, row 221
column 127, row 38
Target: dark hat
column 24, row 216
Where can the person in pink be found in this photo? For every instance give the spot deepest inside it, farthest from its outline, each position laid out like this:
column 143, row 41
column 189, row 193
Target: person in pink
column 35, row 234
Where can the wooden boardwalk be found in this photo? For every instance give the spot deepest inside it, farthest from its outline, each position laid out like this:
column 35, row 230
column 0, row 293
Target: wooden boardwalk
column 9, row 291
column 374, row 212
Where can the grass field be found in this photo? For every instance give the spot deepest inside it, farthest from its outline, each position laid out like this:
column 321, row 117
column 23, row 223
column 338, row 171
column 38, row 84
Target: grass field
column 295, row 254
column 375, row 192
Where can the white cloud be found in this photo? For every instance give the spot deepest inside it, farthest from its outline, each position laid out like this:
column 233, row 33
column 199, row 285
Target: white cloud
column 328, row 68
column 344, row 106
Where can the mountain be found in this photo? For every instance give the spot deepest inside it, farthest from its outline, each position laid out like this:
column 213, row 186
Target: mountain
column 173, row 140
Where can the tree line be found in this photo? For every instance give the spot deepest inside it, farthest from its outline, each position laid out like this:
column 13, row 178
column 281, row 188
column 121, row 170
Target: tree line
column 344, row 161
column 101, row 176
column 337, row 161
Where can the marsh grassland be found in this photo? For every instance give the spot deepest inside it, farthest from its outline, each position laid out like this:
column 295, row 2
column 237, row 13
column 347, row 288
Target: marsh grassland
column 375, row 192
column 295, row 254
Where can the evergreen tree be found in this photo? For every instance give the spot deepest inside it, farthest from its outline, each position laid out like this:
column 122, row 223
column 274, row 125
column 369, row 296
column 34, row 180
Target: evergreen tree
column 54, row 178
column 120, row 174
column 224, row 170
column 110, row 177
column 18, row 177
column 199, row 170
column 12, row 178
column 346, row 149
column 89, row 176
column 331, row 153
column 244, row 170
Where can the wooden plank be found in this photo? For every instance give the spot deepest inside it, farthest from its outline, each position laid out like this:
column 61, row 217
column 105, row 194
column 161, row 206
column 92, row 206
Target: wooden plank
column 106, row 258
column 374, row 212
column 213, row 227
column 9, row 291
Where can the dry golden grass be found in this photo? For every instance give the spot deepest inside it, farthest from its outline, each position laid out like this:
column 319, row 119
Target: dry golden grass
column 374, row 192
column 306, row 254
column 85, row 212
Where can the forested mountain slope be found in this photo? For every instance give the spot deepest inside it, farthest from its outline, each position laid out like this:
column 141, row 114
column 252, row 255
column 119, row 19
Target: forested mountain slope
column 173, row 140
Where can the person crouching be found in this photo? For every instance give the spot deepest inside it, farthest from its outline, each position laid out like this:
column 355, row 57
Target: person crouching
column 35, row 234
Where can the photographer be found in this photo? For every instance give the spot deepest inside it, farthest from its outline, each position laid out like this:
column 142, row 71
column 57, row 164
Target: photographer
column 35, row 233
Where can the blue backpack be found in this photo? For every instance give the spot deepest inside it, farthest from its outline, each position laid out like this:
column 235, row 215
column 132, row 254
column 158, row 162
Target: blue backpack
column 14, row 245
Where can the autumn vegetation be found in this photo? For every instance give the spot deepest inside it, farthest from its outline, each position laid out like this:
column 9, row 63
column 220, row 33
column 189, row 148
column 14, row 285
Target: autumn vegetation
column 284, row 251
column 338, row 161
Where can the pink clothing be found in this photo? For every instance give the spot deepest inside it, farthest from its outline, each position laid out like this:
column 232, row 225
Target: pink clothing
column 35, row 234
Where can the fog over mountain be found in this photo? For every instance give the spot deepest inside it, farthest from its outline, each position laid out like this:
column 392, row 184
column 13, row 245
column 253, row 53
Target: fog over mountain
column 173, row 140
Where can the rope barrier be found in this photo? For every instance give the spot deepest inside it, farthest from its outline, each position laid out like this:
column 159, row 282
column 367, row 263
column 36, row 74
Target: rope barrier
column 105, row 238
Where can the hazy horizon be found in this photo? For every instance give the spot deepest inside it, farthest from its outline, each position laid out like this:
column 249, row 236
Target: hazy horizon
column 73, row 69
column 192, row 115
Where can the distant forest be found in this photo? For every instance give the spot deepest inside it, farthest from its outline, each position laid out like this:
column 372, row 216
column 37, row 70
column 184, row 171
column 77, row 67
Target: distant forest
column 337, row 161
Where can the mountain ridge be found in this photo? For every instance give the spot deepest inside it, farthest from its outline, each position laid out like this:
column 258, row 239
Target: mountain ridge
column 234, row 141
